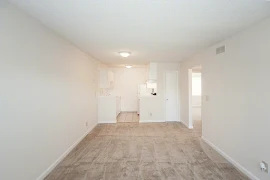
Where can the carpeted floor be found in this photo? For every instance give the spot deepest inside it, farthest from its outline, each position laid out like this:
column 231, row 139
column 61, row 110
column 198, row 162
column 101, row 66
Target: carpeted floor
column 133, row 151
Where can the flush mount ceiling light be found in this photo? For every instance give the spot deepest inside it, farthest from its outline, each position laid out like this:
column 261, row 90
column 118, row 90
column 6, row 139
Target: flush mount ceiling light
column 128, row 66
column 124, row 54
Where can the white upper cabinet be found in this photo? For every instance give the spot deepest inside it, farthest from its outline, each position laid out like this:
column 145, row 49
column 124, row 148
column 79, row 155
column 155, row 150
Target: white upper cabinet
column 106, row 79
column 151, row 73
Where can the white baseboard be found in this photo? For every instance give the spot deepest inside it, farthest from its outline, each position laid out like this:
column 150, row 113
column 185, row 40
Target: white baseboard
column 151, row 121
column 47, row 172
column 231, row 160
column 107, row 122
column 189, row 127
column 172, row 121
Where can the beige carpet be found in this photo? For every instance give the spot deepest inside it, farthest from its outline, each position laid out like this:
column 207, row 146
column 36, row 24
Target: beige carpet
column 133, row 151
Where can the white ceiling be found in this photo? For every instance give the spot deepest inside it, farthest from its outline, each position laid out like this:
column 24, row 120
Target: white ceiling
column 153, row 30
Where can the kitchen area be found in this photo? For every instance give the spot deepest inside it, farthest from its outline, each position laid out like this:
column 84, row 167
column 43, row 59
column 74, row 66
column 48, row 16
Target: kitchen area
column 127, row 94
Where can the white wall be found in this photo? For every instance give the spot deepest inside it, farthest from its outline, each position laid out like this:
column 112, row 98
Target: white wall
column 126, row 83
column 236, row 118
column 149, row 106
column 196, row 96
column 196, row 107
column 158, row 106
column 47, row 96
column 196, row 101
column 196, row 84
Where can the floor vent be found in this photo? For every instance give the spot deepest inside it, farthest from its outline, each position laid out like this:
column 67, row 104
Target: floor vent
column 220, row 50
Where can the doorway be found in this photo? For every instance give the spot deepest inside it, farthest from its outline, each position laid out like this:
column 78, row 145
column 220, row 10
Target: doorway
column 171, row 96
column 195, row 98
column 128, row 117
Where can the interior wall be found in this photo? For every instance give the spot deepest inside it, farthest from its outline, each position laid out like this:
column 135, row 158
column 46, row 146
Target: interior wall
column 158, row 108
column 196, row 108
column 47, row 96
column 126, row 83
column 196, row 96
column 236, row 115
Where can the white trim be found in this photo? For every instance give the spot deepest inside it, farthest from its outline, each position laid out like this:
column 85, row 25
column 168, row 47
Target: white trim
column 128, row 111
column 107, row 122
column 189, row 127
column 51, row 167
column 178, row 97
column 231, row 160
column 152, row 121
column 190, row 118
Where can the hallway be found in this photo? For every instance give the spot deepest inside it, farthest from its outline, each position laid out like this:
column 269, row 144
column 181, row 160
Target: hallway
column 144, row 151
column 128, row 117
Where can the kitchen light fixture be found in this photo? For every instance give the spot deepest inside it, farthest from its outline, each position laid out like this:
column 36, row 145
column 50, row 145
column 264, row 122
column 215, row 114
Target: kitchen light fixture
column 124, row 54
column 128, row 66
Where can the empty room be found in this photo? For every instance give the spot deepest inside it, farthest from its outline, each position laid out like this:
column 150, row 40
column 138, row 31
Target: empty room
column 134, row 90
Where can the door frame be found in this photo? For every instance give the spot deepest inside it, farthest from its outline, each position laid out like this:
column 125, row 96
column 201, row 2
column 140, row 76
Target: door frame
column 190, row 107
column 177, row 96
column 190, row 118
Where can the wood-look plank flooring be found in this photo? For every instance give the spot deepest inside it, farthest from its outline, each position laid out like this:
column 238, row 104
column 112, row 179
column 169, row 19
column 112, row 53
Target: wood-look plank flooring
column 133, row 151
column 128, row 117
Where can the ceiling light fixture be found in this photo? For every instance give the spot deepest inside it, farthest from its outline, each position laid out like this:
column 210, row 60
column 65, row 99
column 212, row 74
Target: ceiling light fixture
column 128, row 66
column 124, row 54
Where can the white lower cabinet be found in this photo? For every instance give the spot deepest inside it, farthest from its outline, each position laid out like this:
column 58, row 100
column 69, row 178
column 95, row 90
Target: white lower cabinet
column 109, row 107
